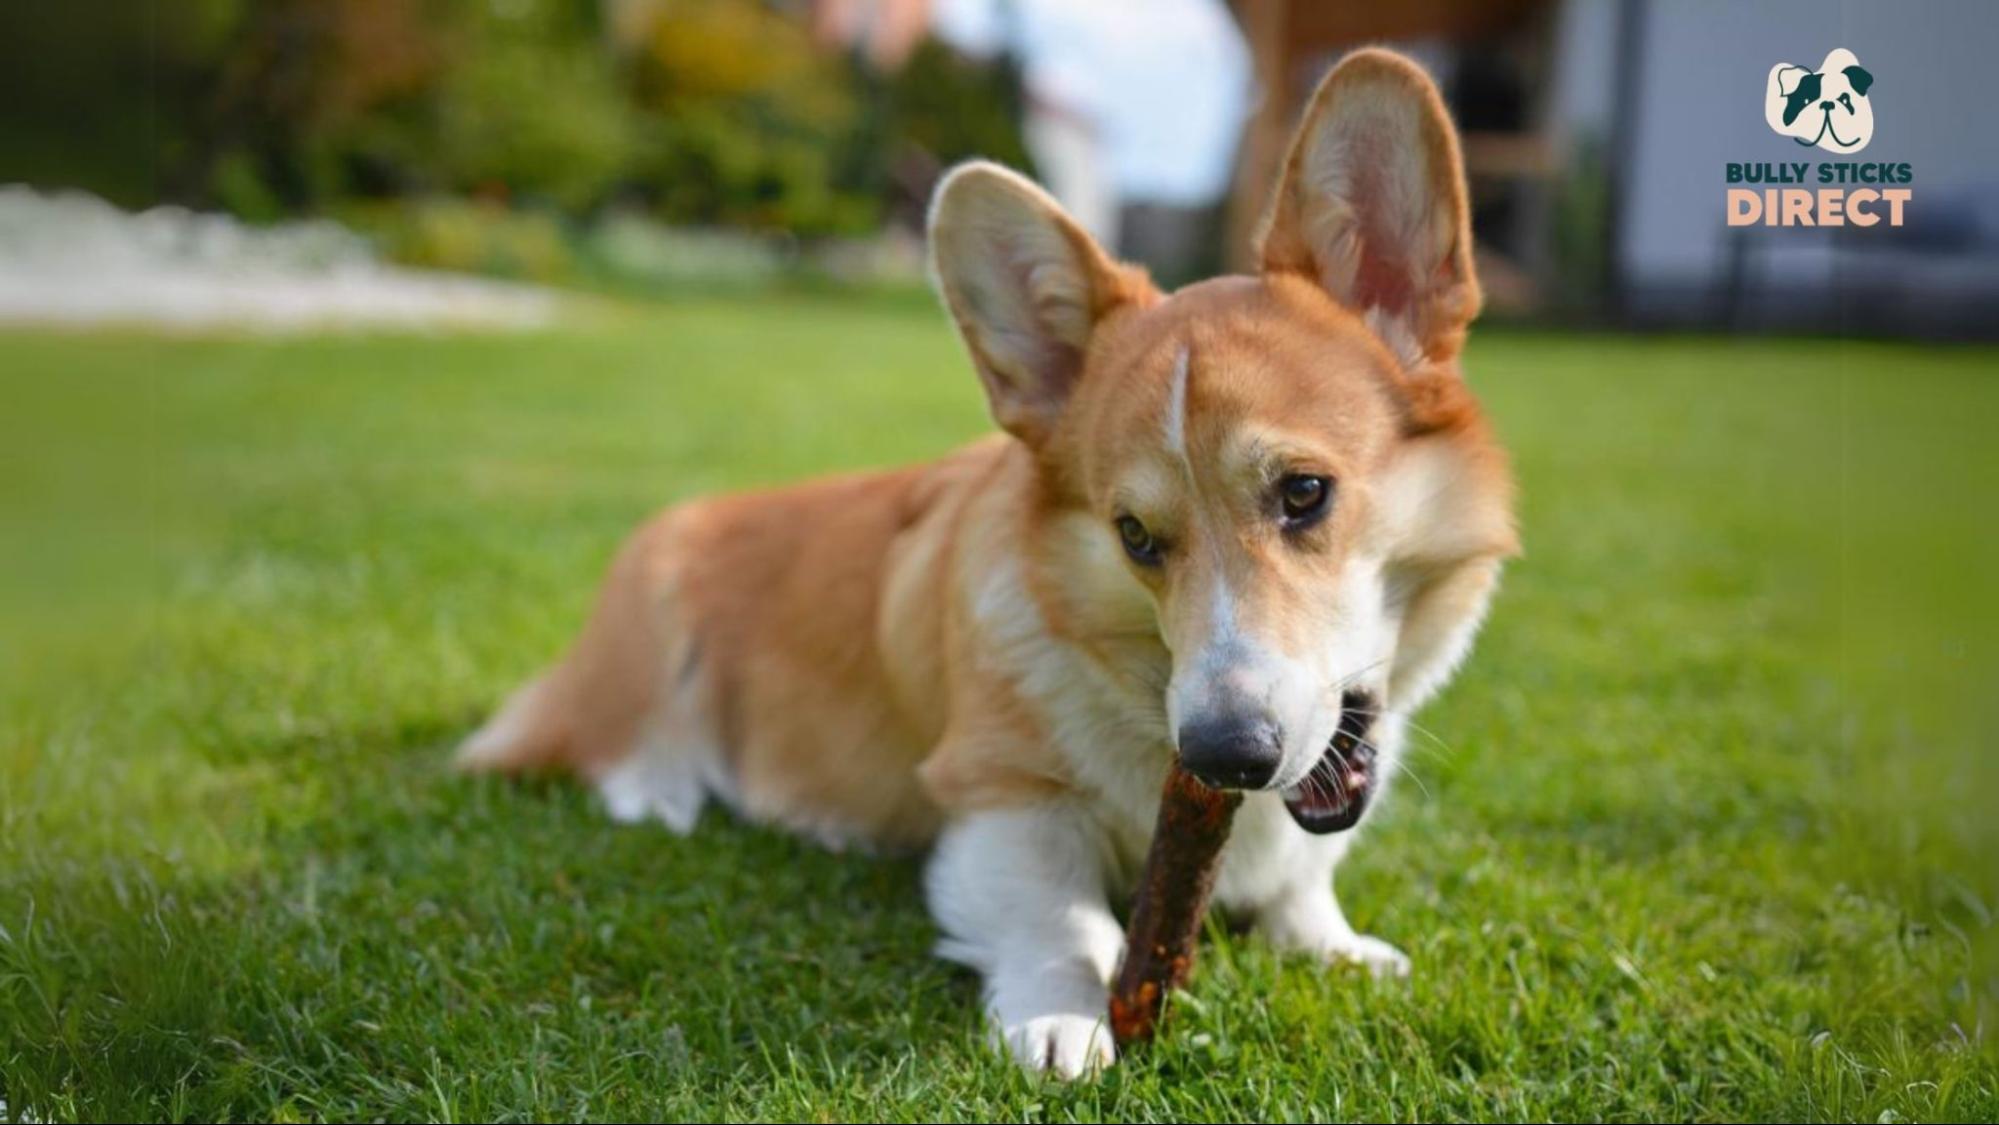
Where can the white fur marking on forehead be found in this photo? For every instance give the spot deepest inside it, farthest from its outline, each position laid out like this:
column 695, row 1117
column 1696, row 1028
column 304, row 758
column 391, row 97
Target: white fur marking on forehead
column 1176, row 406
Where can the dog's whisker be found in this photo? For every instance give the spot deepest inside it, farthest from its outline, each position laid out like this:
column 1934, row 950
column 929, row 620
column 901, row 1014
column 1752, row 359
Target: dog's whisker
column 1340, row 686
column 1395, row 760
column 1436, row 739
column 1411, row 775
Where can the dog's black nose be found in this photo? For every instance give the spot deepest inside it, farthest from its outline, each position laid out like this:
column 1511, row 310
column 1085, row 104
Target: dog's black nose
column 1825, row 105
column 1231, row 750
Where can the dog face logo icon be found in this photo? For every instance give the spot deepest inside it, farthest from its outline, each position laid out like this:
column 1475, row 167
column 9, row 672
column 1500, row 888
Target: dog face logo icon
column 1826, row 107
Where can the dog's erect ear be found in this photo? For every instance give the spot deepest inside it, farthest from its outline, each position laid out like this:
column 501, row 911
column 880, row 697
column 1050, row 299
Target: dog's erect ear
column 1859, row 79
column 1371, row 205
column 1026, row 285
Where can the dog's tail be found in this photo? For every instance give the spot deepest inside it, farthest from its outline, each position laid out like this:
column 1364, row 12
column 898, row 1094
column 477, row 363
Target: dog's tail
column 587, row 711
column 526, row 733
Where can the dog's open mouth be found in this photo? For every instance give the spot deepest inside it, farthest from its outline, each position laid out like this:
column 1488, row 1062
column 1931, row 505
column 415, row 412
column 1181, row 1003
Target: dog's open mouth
column 1335, row 794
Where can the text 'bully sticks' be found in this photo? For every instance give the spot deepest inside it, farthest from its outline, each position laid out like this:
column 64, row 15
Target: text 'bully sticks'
column 1173, row 890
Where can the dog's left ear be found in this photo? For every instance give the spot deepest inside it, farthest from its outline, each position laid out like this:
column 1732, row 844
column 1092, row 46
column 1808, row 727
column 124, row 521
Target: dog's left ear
column 1371, row 205
column 1859, row 79
column 1027, row 286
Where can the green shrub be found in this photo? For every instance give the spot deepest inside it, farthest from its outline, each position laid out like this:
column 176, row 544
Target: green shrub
column 532, row 118
column 748, row 123
column 703, row 113
column 469, row 236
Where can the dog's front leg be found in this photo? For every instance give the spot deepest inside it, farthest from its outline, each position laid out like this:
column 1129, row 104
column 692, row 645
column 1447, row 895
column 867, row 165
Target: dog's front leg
column 1020, row 896
column 1304, row 915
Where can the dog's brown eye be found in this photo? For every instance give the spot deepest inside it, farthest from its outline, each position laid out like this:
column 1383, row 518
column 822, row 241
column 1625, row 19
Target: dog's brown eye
column 1138, row 542
column 1304, row 498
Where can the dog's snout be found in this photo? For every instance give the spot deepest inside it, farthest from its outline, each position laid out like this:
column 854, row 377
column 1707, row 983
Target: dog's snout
column 1231, row 750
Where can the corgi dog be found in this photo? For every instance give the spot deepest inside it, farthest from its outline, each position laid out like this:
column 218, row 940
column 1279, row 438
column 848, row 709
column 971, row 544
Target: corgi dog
column 1227, row 523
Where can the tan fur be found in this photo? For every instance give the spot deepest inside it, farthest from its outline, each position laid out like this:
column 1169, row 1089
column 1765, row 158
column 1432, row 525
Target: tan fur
column 872, row 654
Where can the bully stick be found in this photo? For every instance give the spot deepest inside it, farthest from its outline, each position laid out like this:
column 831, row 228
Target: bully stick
column 1180, row 870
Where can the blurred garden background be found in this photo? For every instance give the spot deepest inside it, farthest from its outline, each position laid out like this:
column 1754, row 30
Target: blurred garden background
column 629, row 146
column 342, row 340
column 647, row 146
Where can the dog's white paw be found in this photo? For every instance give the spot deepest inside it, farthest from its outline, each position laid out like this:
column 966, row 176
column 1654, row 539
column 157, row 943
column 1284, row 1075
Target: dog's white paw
column 1371, row 953
column 1314, row 925
column 1068, row 1046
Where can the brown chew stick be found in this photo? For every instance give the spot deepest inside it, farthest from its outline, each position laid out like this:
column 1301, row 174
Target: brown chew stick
column 1173, row 890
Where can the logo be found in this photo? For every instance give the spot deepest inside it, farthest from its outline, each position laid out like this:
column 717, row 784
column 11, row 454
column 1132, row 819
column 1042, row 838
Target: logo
column 1827, row 107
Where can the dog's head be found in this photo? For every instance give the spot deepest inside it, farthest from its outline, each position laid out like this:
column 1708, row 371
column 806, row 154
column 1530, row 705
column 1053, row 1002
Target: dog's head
column 1827, row 107
column 1281, row 478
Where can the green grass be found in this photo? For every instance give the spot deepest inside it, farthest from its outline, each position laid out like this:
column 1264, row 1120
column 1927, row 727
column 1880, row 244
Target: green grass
column 1708, row 833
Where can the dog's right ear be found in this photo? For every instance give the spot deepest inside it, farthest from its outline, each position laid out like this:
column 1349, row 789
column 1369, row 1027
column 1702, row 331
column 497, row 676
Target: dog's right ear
column 1371, row 205
column 1027, row 286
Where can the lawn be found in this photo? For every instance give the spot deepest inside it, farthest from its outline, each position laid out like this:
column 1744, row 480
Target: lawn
column 1705, row 831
